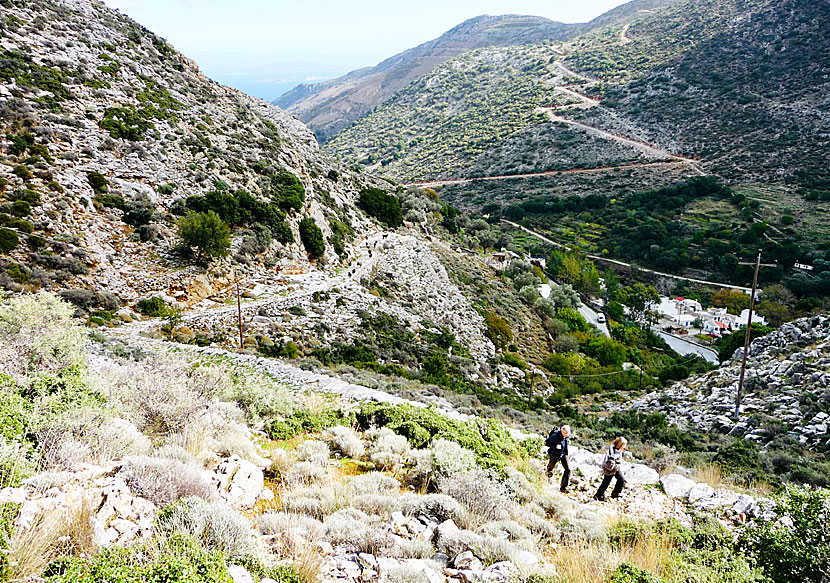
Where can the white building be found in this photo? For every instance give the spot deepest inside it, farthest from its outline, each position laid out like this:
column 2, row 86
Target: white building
column 740, row 321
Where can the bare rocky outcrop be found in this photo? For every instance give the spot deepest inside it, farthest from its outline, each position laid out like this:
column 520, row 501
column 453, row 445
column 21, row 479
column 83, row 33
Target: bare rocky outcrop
column 787, row 383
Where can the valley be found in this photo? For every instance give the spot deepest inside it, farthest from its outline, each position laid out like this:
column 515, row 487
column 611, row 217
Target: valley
column 326, row 343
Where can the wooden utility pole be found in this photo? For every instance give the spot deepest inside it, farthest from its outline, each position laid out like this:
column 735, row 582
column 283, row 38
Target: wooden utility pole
column 239, row 315
column 748, row 335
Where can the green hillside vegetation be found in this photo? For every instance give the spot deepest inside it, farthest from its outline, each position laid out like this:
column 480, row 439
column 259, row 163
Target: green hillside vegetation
column 438, row 125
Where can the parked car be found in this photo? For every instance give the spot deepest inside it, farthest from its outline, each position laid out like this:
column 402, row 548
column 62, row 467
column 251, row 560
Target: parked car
column 601, row 318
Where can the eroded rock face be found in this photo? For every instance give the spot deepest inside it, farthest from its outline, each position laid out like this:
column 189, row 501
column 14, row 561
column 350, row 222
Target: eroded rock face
column 781, row 367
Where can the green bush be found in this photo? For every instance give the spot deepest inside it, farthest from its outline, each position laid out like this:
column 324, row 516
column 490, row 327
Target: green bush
column 209, row 235
column 282, row 232
column 287, row 191
column 22, row 172
column 498, row 331
column 304, row 421
column 740, row 456
column 181, row 560
column 126, row 123
column 487, row 438
column 384, row 207
column 800, row 552
column 13, row 420
column 97, row 181
column 628, row 573
column 8, row 240
column 154, row 307
column 312, row 238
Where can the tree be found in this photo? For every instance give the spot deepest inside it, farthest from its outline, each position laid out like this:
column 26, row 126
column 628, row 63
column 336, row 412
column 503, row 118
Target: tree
column 545, row 307
column 733, row 300
column 564, row 296
column 207, row 233
column 312, row 238
column 639, row 298
column 776, row 313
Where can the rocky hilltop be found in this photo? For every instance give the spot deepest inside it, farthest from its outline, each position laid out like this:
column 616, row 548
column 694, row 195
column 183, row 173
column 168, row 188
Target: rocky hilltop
column 106, row 127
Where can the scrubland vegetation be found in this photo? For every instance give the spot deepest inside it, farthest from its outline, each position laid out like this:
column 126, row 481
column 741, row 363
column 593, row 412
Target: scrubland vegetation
column 341, row 472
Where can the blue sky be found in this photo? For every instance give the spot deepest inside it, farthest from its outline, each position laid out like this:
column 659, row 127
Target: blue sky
column 265, row 47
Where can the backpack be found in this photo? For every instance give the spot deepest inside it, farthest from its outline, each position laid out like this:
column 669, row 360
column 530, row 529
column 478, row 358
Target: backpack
column 550, row 442
column 609, row 468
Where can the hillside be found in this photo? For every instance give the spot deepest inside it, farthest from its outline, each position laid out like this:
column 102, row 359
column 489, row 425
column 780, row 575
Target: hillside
column 331, row 106
column 667, row 78
column 106, row 132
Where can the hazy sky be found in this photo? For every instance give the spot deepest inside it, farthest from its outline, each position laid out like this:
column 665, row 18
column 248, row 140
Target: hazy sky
column 266, row 46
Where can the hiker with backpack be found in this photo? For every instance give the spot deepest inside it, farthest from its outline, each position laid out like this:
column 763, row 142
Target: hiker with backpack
column 557, row 443
column 612, row 468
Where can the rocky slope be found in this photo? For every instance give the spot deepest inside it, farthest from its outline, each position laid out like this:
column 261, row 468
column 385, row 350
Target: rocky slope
column 787, row 390
column 106, row 124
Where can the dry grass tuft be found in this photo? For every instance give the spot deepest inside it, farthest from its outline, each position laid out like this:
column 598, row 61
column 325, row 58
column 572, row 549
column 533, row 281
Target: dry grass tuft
column 53, row 534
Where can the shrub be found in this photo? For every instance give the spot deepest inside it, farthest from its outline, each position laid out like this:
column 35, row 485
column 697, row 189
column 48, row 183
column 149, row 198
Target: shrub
column 312, row 238
column 498, row 331
column 628, row 573
column 22, row 172
column 154, row 307
column 487, row 438
column 97, row 181
column 389, row 450
column 8, row 240
column 39, row 337
column 164, row 481
column 214, row 525
column 126, row 123
column 794, row 545
column 483, row 497
column 438, row 507
column 449, row 458
column 305, row 421
column 287, row 190
column 181, row 559
column 313, row 451
column 205, row 232
column 346, row 441
column 384, row 207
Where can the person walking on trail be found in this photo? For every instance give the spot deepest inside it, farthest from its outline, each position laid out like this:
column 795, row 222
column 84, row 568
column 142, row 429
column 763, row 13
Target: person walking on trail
column 612, row 468
column 557, row 443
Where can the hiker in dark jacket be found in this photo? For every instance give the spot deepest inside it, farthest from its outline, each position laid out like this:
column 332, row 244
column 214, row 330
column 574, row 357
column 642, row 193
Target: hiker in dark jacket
column 612, row 468
column 557, row 443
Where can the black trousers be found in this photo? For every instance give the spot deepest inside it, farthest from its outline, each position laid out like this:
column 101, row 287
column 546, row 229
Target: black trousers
column 566, row 466
column 618, row 486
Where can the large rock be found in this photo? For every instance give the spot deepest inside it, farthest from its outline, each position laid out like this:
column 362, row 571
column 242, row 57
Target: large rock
column 700, row 491
column 640, row 474
column 677, row 486
column 239, row 482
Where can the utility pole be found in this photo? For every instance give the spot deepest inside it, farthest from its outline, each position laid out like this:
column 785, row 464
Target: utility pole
column 239, row 314
column 748, row 335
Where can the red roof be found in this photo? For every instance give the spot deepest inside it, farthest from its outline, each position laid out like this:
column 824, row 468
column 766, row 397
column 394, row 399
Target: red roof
column 678, row 299
column 721, row 325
